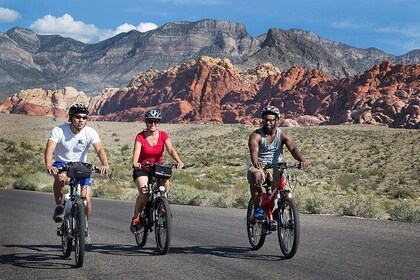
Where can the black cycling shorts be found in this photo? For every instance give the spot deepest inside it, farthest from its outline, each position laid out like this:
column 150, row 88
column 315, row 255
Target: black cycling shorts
column 139, row 172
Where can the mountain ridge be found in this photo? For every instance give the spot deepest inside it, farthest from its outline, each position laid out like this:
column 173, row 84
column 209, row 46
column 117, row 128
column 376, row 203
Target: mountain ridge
column 29, row 60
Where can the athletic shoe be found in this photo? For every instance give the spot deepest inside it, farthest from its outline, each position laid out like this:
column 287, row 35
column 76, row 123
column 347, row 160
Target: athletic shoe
column 58, row 214
column 258, row 214
column 135, row 224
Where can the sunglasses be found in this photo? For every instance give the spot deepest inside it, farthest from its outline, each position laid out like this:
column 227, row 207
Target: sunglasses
column 270, row 120
column 153, row 121
column 81, row 117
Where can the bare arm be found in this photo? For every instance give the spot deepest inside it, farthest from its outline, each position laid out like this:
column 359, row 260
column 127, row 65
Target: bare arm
column 48, row 157
column 254, row 146
column 293, row 149
column 136, row 154
column 171, row 151
column 100, row 151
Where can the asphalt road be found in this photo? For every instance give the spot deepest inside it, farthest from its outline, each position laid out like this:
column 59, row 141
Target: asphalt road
column 208, row 243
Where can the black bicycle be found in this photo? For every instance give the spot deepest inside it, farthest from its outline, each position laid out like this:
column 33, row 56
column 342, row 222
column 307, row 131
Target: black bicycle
column 157, row 213
column 284, row 218
column 75, row 223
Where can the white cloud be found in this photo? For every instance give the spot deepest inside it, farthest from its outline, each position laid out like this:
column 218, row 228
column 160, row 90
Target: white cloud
column 8, row 15
column 142, row 27
column 66, row 26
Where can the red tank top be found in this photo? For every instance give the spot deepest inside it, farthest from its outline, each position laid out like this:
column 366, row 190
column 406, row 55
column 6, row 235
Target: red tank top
column 149, row 153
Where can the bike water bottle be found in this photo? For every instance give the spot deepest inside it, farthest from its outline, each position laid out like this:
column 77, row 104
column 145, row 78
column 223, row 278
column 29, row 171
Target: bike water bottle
column 67, row 203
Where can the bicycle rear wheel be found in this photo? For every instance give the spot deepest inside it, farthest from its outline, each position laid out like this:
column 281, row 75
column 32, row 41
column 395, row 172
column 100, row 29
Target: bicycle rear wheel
column 289, row 227
column 163, row 225
column 255, row 229
column 66, row 240
column 143, row 232
column 79, row 232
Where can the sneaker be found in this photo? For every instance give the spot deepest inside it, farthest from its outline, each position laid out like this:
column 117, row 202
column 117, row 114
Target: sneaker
column 58, row 214
column 135, row 224
column 258, row 214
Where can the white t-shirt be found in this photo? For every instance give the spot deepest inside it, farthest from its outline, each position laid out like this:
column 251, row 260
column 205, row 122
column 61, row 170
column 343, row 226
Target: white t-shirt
column 70, row 146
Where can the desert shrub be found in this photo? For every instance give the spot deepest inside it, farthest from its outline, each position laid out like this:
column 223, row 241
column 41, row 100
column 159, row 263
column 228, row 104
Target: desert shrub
column 399, row 192
column 315, row 204
column 405, row 211
column 38, row 181
column 358, row 205
column 347, row 181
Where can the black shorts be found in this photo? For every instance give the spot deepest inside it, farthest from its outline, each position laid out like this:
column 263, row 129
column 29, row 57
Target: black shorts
column 139, row 172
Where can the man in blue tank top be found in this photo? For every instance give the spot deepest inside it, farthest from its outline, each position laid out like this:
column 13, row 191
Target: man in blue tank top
column 266, row 147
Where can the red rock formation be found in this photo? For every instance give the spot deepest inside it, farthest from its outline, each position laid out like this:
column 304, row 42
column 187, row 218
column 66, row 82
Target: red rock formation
column 212, row 90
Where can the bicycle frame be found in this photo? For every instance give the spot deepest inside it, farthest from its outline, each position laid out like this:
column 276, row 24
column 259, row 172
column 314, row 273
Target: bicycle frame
column 269, row 198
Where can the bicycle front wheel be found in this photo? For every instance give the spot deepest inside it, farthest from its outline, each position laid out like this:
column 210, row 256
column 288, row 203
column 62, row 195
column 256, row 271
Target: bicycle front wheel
column 163, row 225
column 66, row 239
column 289, row 227
column 255, row 229
column 79, row 232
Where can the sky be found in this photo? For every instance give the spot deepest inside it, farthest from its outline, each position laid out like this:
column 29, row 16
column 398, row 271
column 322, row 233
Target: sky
column 392, row 26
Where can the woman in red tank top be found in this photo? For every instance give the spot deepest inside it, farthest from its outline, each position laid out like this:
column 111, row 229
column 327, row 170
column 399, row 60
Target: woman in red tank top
column 148, row 148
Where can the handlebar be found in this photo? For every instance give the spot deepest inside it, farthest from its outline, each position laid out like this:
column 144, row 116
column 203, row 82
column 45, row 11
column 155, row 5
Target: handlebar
column 93, row 168
column 148, row 165
column 284, row 165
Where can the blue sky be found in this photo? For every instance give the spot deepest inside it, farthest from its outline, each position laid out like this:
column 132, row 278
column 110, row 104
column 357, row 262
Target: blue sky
column 390, row 25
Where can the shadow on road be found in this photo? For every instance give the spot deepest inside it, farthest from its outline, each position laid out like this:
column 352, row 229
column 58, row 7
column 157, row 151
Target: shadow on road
column 39, row 256
column 220, row 251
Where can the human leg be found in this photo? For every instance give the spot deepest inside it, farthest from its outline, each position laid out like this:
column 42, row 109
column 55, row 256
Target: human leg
column 58, row 190
column 256, row 177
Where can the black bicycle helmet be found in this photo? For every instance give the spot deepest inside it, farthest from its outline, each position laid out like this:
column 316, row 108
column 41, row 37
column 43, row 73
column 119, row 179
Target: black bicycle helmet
column 153, row 114
column 270, row 110
column 78, row 108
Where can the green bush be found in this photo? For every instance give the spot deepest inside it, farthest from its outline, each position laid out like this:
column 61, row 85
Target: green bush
column 405, row 211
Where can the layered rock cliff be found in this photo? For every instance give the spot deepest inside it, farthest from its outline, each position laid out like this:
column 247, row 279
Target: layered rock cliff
column 213, row 90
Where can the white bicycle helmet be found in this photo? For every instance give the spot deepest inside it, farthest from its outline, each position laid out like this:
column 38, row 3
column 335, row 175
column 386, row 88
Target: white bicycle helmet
column 270, row 110
column 153, row 114
column 78, row 108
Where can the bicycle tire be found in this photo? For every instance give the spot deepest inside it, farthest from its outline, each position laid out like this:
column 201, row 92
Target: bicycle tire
column 66, row 240
column 79, row 232
column 163, row 225
column 141, row 234
column 289, row 227
column 255, row 230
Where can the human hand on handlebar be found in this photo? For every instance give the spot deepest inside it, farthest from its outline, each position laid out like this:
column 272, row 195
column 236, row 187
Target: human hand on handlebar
column 179, row 165
column 104, row 169
column 52, row 170
column 304, row 165
column 136, row 165
column 259, row 165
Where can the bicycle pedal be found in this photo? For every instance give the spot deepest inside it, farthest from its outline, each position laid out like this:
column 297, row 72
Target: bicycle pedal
column 273, row 225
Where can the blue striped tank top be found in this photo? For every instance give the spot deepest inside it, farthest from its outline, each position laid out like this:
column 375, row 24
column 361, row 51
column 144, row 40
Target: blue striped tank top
column 270, row 152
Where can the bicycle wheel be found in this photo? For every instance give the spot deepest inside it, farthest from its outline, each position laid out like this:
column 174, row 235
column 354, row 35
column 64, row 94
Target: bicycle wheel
column 289, row 227
column 66, row 239
column 79, row 232
column 255, row 230
column 163, row 225
column 142, row 233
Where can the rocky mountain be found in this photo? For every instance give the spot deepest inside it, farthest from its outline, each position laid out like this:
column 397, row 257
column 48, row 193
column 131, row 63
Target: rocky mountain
column 51, row 62
column 213, row 90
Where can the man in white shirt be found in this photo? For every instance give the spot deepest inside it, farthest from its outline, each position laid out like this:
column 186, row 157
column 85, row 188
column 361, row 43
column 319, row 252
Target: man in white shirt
column 70, row 142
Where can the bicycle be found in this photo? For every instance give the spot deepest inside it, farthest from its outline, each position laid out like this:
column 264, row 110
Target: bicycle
column 157, row 212
column 284, row 218
column 75, row 223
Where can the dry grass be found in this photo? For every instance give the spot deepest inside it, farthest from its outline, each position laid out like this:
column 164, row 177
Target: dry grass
column 366, row 171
